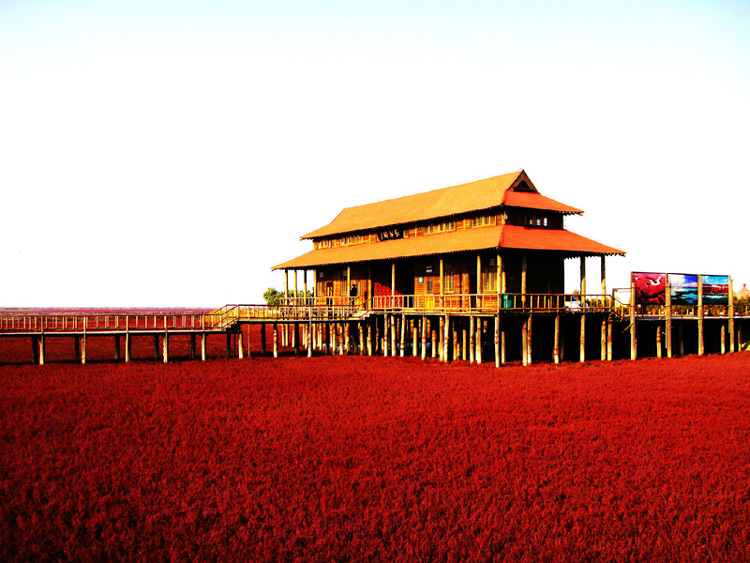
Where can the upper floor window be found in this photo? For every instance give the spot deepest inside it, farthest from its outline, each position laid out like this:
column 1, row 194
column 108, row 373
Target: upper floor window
column 352, row 239
column 441, row 227
column 483, row 220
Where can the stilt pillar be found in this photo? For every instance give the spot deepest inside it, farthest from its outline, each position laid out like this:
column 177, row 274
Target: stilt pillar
column 556, row 346
column 582, row 356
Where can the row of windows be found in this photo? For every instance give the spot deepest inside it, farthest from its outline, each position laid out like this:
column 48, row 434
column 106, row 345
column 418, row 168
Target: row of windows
column 529, row 220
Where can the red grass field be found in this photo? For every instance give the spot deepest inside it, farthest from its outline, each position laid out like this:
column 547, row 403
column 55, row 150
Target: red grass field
column 369, row 459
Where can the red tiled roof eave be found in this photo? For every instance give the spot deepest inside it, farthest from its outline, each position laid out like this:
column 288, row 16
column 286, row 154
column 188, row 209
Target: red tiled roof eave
column 509, row 237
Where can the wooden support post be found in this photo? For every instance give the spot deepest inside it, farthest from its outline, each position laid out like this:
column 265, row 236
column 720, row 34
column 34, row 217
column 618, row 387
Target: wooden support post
column 295, row 337
column 503, row 331
column 446, row 333
column 127, row 345
column 455, row 353
column 415, row 338
column 203, row 346
column 423, row 328
column 668, row 316
column 434, row 342
column 556, row 348
column 386, row 332
column 369, row 339
column 83, row 340
column 529, row 340
column 658, row 340
column 347, row 339
column 730, row 321
column 472, row 336
column 700, row 316
column 583, row 282
column 583, row 338
column 604, row 339
column 680, row 337
column 479, row 280
column 402, row 339
column 524, row 271
column 165, row 346
column 464, row 343
column 240, row 345
column 609, row 339
column 394, row 326
column 275, row 340
column 723, row 338
column 524, row 341
column 40, row 341
column 478, row 342
column 441, row 330
column 633, row 337
column 497, row 340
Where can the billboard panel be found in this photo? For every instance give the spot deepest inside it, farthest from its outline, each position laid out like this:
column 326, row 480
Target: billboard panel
column 650, row 288
column 715, row 290
column 684, row 289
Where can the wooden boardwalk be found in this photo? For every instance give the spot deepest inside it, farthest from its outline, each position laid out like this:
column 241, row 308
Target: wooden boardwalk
column 444, row 326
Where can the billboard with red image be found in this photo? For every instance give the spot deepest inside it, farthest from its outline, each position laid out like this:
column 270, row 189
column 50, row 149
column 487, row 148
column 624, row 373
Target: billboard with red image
column 650, row 288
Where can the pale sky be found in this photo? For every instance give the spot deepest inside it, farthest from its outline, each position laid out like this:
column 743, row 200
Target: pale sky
column 170, row 153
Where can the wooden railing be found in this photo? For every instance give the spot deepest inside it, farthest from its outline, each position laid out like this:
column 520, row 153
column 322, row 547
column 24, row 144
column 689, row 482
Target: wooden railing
column 105, row 322
column 493, row 303
column 299, row 309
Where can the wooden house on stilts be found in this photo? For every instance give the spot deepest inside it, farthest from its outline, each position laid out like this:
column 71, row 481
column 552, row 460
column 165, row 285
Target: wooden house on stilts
column 434, row 273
